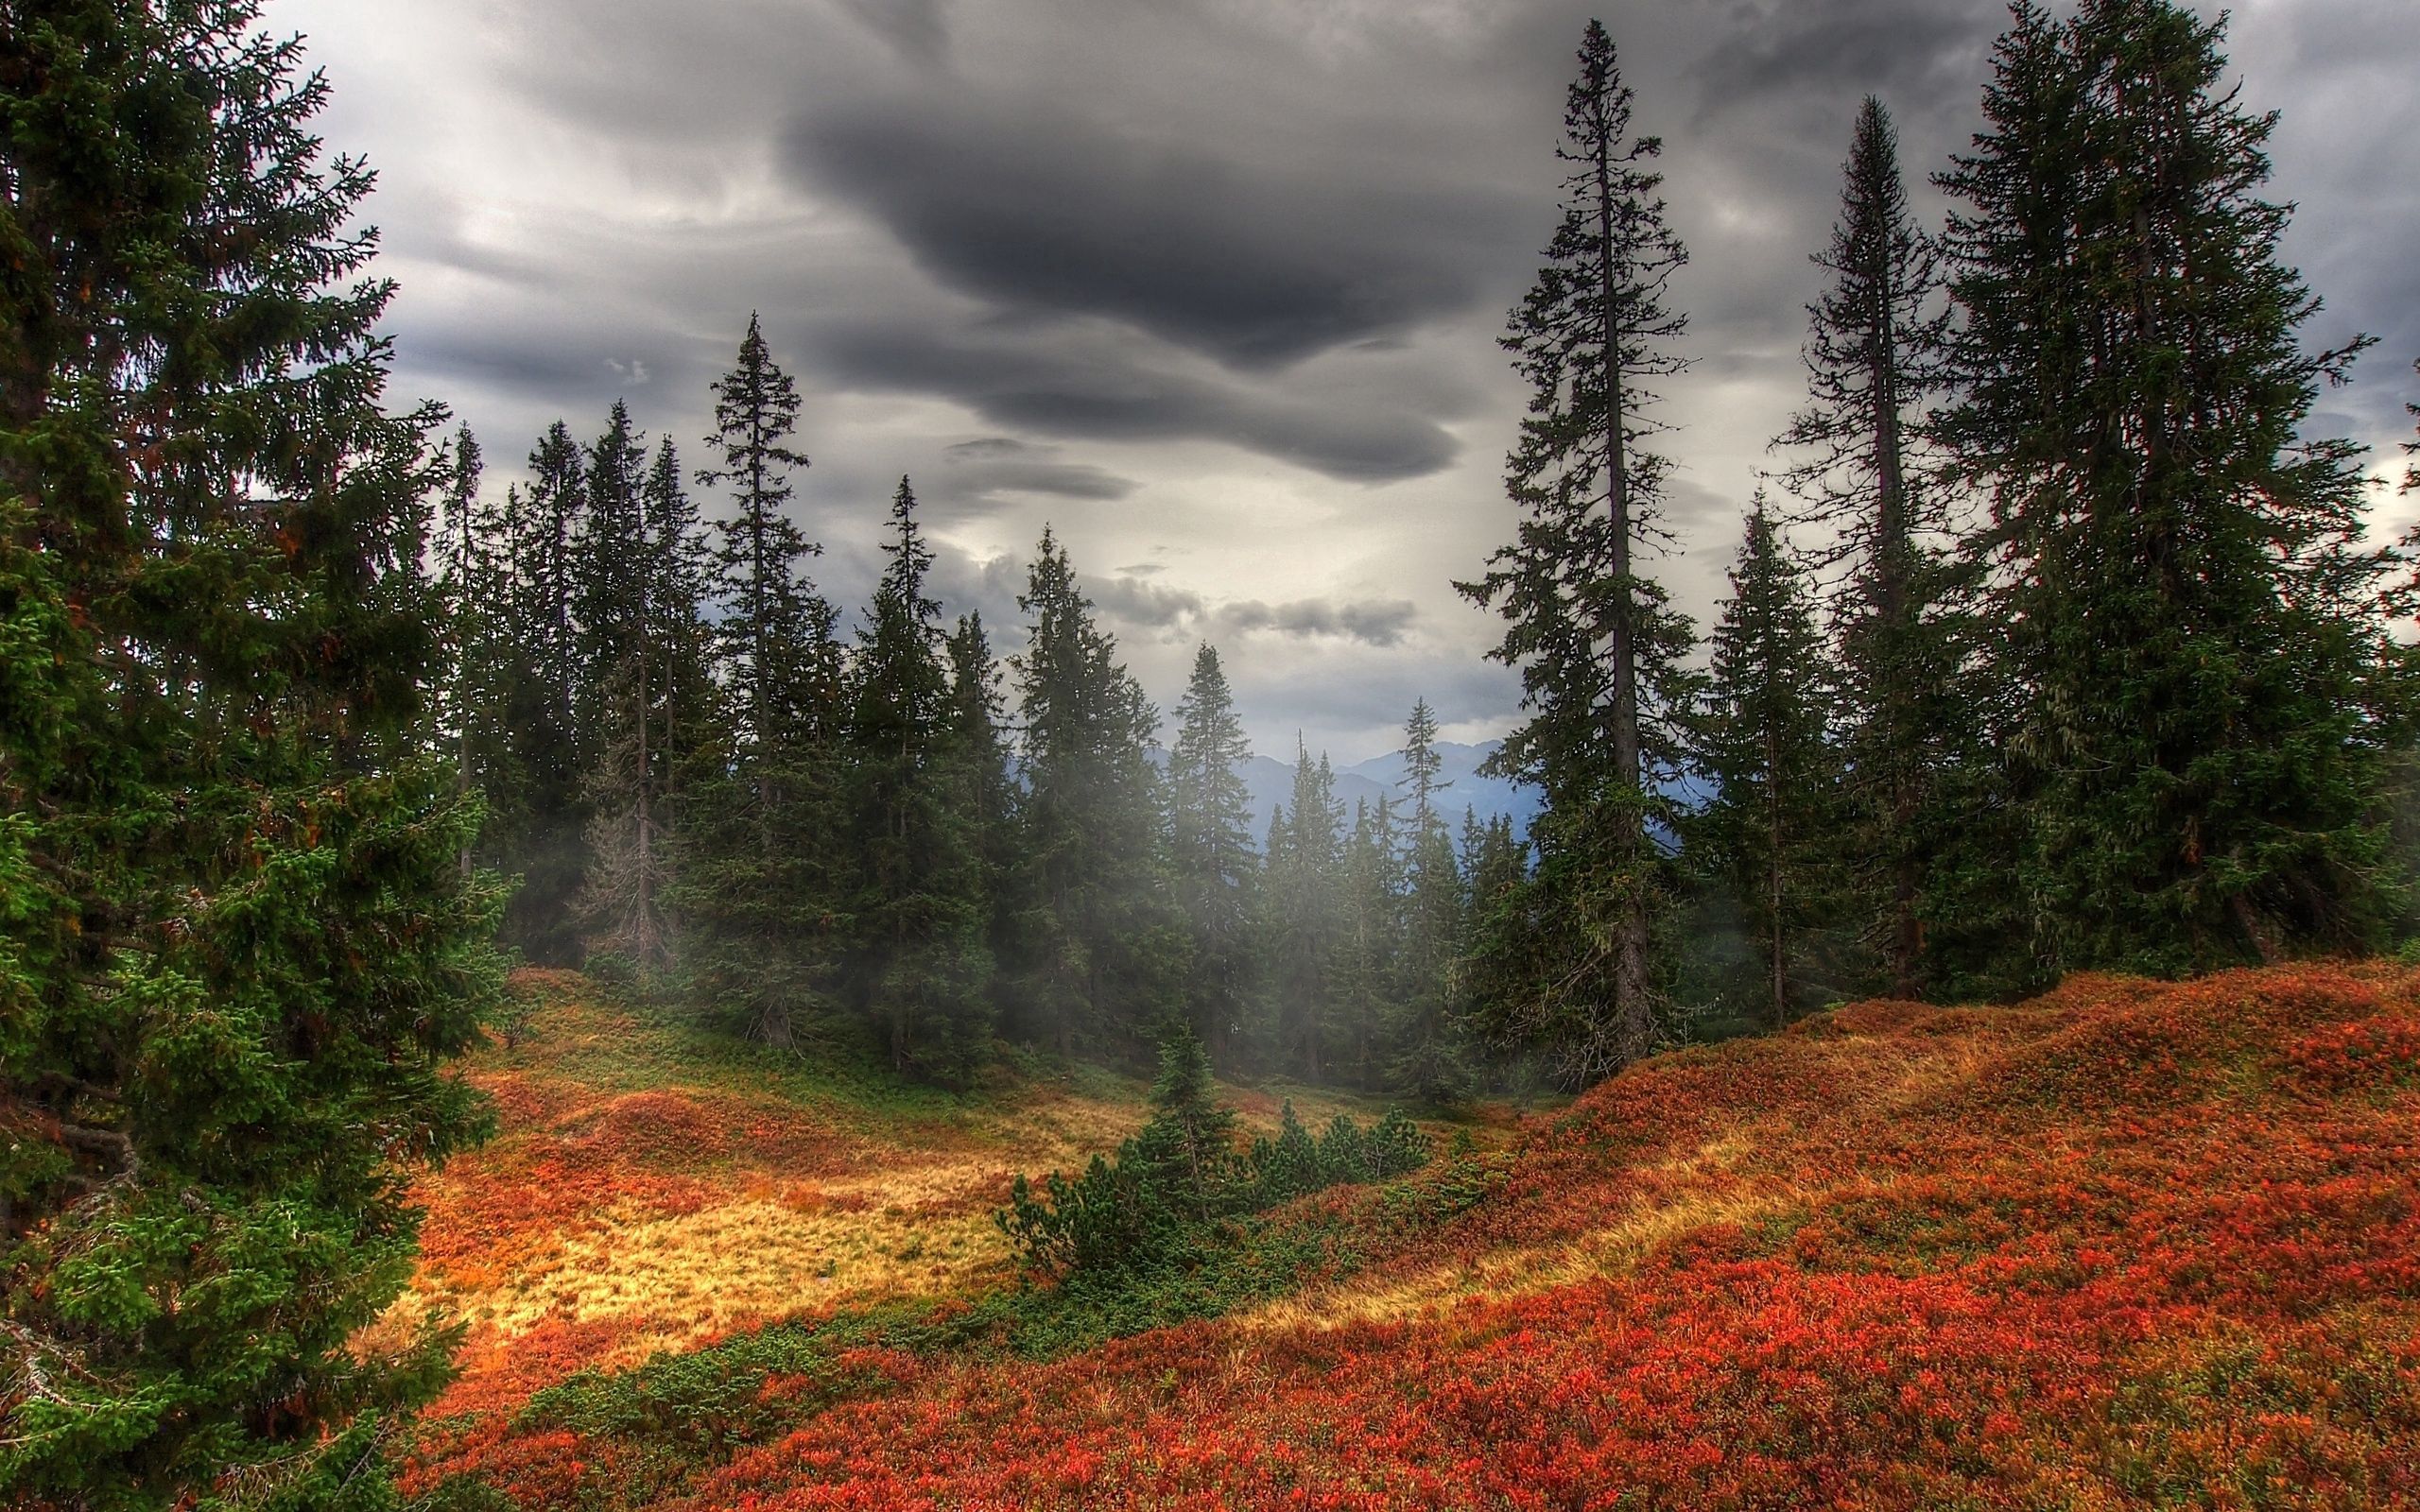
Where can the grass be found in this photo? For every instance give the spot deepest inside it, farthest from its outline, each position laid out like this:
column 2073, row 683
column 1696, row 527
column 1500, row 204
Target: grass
column 2134, row 1245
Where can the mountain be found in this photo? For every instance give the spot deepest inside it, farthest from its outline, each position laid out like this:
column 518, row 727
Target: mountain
column 1272, row 787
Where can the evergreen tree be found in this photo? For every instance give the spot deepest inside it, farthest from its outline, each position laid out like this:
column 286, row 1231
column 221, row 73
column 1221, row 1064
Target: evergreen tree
column 610, row 572
column 652, row 693
column 1301, row 866
column 1421, row 764
column 975, row 726
column 1764, row 743
column 759, row 877
column 920, row 964
column 1597, row 642
column 2411, row 474
column 1368, row 952
column 1429, row 1053
column 236, row 947
column 1209, row 808
column 2187, row 621
column 541, row 818
column 470, row 579
column 1100, row 944
column 1874, row 355
column 771, row 614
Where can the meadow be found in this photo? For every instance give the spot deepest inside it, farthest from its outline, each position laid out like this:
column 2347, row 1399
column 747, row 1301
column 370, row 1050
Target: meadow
column 2130, row 1244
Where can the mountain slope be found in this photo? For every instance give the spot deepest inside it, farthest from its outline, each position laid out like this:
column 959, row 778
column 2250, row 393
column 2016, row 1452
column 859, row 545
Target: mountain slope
column 2132, row 1245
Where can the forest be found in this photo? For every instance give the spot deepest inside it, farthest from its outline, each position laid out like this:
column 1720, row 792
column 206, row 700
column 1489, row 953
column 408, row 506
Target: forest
column 2057, row 648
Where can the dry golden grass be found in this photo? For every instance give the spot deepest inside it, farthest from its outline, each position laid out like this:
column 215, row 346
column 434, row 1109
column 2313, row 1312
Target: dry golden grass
column 636, row 1199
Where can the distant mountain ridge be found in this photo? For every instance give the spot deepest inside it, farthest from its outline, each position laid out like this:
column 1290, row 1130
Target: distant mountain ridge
column 1271, row 783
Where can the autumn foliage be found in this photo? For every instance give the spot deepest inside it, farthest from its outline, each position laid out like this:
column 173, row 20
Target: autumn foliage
column 2132, row 1245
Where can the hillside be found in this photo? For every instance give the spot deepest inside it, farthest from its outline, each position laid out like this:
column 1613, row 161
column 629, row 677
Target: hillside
column 2130, row 1244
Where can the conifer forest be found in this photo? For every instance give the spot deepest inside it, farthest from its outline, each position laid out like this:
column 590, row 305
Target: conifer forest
column 586, row 965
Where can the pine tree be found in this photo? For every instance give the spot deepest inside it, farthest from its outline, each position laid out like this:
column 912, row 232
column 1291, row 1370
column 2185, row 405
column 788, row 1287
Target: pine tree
column 610, row 552
column 1874, row 356
column 1421, row 763
column 1597, row 642
column 771, row 614
column 2186, row 619
column 237, row 951
column 920, row 964
column 1765, row 744
column 540, row 833
column 470, row 579
column 2411, row 474
column 1302, row 864
column 1100, row 942
column 1368, row 972
column 1209, row 808
column 976, row 727
column 1428, row 1046
column 759, row 878
column 651, row 692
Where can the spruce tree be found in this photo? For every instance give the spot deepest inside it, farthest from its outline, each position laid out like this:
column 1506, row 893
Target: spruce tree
column 1302, row 890
column 1765, row 745
column 769, row 615
column 981, row 769
column 650, row 699
column 1599, row 647
column 1369, row 905
column 237, row 951
column 1100, row 942
column 1209, row 808
column 1874, row 356
column 2188, row 622
column 1428, row 1049
column 920, row 964
column 540, row 833
column 759, row 877
column 470, row 580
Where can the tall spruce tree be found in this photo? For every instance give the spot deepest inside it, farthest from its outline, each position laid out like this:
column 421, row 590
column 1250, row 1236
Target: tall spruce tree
column 2189, row 635
column 983, row 771
column 649, row 693
column 1764, row 742
column 236, row 947
column 1874, row 356
column 1100, row 943
column 920, row 963
column 1210, row 848
column 1597, row 645
column 771, row 614
column 541, row 813
column 1368, row 957
column 1301, row 889
column 1429, row 1052
column 470, row 579
column 760, row 877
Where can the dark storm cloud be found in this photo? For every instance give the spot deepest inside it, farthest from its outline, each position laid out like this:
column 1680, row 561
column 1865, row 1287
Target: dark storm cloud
column 1158, row 257
column 1078, row 385
column 981, row 474
column 1380, row 622
column 1919, row 54
column 1256, row 264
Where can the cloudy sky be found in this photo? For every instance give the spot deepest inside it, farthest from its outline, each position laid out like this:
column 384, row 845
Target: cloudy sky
column 1210, row 286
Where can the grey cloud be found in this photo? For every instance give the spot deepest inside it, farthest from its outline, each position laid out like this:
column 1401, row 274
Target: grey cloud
column 1020, row 201
column 1917, row 54
column 996, row 465
column 1096, row 388
column 1371, row 622
column 1139, row 604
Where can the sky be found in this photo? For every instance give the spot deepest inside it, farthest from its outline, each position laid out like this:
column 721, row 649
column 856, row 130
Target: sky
column 1212, row 287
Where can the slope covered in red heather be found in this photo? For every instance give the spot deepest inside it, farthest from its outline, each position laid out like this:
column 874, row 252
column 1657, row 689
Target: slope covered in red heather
column 2132, row 1245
